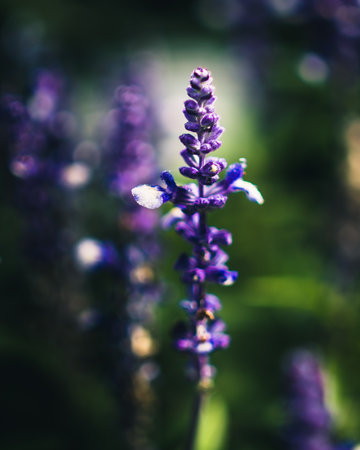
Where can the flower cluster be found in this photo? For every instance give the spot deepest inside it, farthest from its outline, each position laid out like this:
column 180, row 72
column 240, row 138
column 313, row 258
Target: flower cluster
column 128, row 158
column 129, row 155
column 204, row 332
column 309, row 419
column 39, row 137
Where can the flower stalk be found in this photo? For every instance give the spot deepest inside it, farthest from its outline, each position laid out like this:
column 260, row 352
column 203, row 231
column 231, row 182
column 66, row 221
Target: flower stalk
column 204, row 332
column 127, row 317
column 309, row 419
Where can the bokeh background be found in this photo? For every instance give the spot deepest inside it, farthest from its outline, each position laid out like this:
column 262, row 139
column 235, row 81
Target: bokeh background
column 287, row 80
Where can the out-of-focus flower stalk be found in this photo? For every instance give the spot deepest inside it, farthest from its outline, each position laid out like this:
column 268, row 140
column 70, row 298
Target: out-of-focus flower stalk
column 129, row 157
column 309, row 420
column 40, row 132
column 309, row 423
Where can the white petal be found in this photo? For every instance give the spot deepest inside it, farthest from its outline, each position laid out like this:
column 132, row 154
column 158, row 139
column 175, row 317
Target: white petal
column 150, row 197
column 229, row 281
column 251, row 191
column 204, row 347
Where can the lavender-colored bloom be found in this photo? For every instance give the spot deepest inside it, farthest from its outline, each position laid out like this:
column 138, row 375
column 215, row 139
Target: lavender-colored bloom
column 128, row 158
column 204, row 333
column 129, row 155
column 308, row 418
column 39, row 139
column 44, row 102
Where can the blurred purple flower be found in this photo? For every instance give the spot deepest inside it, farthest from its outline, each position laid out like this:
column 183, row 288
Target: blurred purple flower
column 39, row 153
column 126, row 315
column 129, row 155
column 309, row 420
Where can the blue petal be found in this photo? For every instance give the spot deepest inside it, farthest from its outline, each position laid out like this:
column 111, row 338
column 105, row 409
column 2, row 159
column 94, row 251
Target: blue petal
column 190, row 306
column 202, row 348
column 229, row 278
column 235, row 171
column 221, row 341
column 251, row 191
column 150, row 197
column 169, row 180
column 221, row 275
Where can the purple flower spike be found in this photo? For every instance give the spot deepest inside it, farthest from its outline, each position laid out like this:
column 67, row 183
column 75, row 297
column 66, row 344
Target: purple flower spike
column 40, row 157
column 309, row 420
column 204, row 332
column 47, row 91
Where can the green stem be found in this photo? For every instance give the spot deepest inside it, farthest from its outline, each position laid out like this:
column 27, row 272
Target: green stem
column 195, row 419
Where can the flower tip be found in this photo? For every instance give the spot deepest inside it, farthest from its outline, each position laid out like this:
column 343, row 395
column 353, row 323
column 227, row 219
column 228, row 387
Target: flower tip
column 230, row 278
column 251, row 191
column 151, row 197
column 257, row 197
column 167, row 177
column 243, row 162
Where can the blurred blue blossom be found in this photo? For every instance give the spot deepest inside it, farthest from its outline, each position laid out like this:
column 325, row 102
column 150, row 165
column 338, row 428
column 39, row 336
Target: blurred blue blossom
column 309, row 421
column 126, row 315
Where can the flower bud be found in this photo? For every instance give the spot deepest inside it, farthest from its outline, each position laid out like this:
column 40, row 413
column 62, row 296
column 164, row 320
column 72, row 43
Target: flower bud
column 211, row 168
column 206, row 148
column 193, row 126
column 201, row 73
column 208, row 120
column 220, row 237
column 217, row 201
column 202, row 203
column 191, row 105
column 189, row 172
column 194, row 276
column 190, row 142
column 206, row 93
column 195, row 83
column 190, row 115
